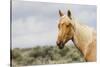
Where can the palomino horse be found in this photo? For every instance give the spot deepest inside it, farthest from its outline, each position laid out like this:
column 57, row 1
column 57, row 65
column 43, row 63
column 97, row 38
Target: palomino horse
column 83, row 37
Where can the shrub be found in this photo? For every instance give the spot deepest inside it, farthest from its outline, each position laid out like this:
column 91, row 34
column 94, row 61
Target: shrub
column 16, row 54
column 46, row 55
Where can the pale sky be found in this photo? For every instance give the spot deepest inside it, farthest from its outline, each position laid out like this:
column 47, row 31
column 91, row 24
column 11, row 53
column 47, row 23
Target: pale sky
column 35, row 23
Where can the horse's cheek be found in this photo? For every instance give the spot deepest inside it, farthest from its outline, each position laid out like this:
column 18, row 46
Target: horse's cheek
column 59, row 35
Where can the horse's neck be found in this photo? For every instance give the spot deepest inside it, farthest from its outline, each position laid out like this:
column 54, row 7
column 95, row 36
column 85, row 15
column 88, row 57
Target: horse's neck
column 82, row 37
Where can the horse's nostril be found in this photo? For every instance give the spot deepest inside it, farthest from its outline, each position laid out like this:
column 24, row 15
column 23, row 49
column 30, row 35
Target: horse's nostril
column 58, row 43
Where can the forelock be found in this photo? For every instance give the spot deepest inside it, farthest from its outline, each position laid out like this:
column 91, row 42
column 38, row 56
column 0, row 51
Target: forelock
column 65, row 17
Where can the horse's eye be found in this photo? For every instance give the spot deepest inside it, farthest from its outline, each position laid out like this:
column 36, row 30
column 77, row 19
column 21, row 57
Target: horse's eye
column 68, row 25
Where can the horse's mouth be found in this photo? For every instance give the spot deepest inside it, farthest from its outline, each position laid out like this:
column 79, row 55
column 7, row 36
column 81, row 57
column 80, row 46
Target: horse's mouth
column 61, row 44
column 61, row 47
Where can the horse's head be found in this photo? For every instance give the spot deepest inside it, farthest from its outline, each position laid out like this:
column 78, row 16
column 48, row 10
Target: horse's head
column 65, row 26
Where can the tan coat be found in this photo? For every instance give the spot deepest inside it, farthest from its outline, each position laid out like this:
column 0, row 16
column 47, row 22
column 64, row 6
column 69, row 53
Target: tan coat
column 83, row 36
column 85, row 40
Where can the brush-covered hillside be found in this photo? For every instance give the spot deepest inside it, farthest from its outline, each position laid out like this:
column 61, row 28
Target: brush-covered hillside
column 45, row 55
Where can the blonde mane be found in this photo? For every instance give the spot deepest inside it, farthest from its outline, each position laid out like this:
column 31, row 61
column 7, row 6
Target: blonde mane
column 85, row 37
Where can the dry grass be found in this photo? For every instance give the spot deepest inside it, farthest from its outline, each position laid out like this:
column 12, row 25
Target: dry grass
column 45, row 55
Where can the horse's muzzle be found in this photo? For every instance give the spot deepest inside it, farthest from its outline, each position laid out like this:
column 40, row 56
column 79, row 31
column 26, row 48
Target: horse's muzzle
column 60, row 44
column 61, row 47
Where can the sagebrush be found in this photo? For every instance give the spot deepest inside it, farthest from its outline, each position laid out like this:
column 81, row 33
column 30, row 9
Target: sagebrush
column 45, row 55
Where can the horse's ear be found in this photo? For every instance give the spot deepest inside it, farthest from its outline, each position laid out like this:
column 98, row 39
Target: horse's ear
column 69, row 14
column 60, row 13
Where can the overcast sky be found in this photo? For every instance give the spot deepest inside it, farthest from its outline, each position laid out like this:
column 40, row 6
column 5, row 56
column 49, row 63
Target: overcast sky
column 35, row 23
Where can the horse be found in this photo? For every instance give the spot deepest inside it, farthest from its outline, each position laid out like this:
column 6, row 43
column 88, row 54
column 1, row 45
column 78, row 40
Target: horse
column 83, row 36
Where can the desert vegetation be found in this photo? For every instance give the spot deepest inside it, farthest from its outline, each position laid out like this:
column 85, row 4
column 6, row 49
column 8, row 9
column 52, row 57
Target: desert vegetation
column 45, row 55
